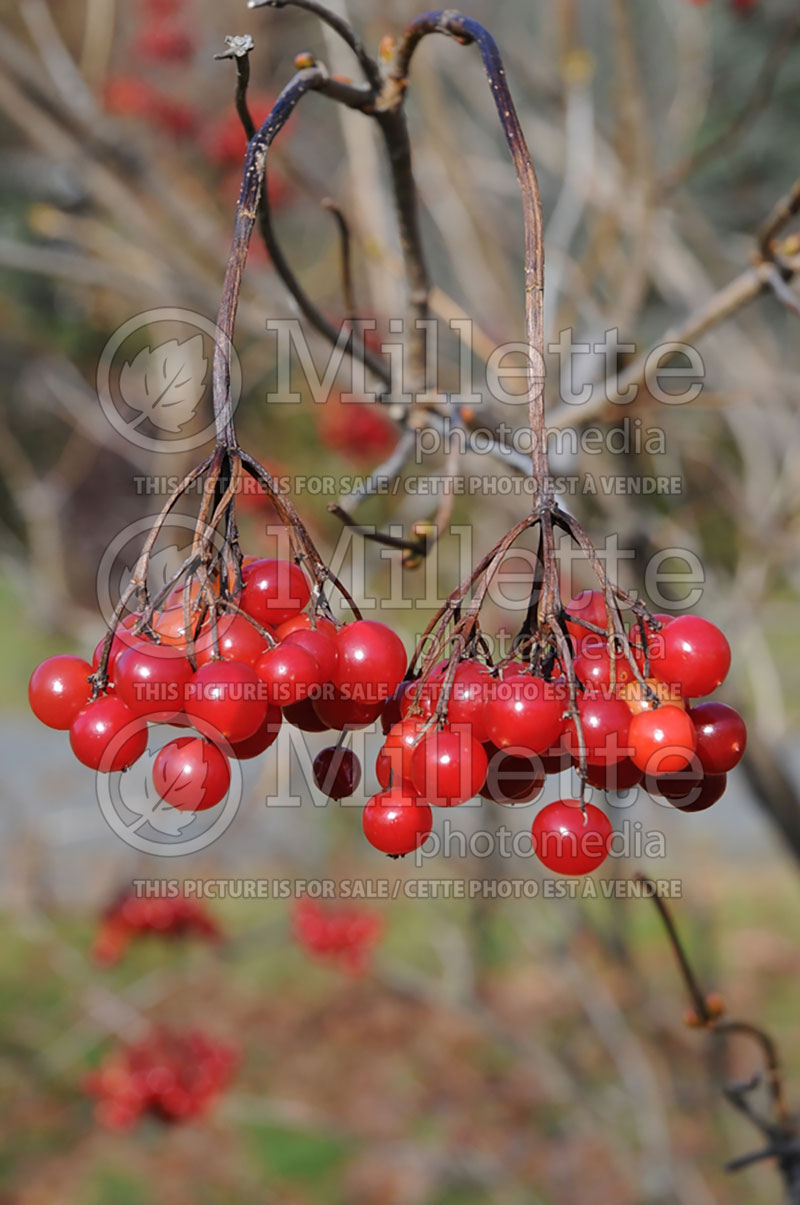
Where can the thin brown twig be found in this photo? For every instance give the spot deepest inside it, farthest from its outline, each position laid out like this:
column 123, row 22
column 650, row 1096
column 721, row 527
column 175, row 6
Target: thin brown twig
column 781, row 1130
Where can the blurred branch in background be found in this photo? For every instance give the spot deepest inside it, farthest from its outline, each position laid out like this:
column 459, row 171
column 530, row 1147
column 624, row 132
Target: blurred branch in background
column 778, row 1126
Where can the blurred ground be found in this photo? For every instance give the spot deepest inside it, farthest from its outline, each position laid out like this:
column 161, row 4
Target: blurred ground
column 511, row 1058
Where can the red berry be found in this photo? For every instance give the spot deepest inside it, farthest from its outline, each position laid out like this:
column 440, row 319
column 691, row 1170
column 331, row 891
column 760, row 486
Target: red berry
column 321, row 647
column 694, row 656
column 304, row 716
column 170, row 1076
column 589, row 606
column 721, row 736
column 164, row 43
column 571, row 840
column 638, row 698
column 557, row 757
column 290, row 674
column 662, row 740
column 473, row 686
column 58, row 689
column 689, row 791
column 106, row 735
column 448, row 767
column 346, row 935
column 393, row 709
column 228, row 697
column 393, row 764
column 556, row 762
column 512, row 776
column 273, row 591
column 526, row 712
column 619, row 776
column 606, row 723
column 151, row 679
column 371, row 661
column 191, row 773
column 420, row 697
column 710, row 791
column 225, row 140
column 344, row 714
column 361, row 430
column 238, row 640
column 305, row 623
column 594, row 665
column 337, row 772
column 396, row 823
column 123, row 639
column 262, row 738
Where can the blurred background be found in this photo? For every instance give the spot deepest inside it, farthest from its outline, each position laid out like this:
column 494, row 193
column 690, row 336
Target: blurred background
column 414, row 1050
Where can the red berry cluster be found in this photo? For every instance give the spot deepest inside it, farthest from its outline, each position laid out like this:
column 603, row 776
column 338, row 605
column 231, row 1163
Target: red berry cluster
column 503, row 729
column 133, row 916
column 224, row 141
column 221, row 140
column 234, row 681
column 359, row 430
column 170, row 1076
column 131, row 96
column 162, row 36
column 346, row 936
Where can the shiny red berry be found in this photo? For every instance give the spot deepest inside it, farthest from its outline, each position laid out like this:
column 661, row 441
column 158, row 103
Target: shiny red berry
column 396, row 823
column 371, row 661
column 688, row 791
column 304, row 716
column 526, row 712
column 594, row 666
column 619, row 776
column 571, row 840
column 290, row 674
column 588, row 606
column 306, row 623
column 606, row 723
column 662, row 740
column 191, row 774
column 512, row 776
column 58, row 689
column 107, row 736
column 472, row 687
column 448, row 767
column 344, row 714
column 152, row 680
column 320, row 646
column 229, row 698
column 273, row 591
column 238, row 640
column 694, row 655
column 393, row 764
column 721, row 736
column 261, row 739
column 337, row 772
